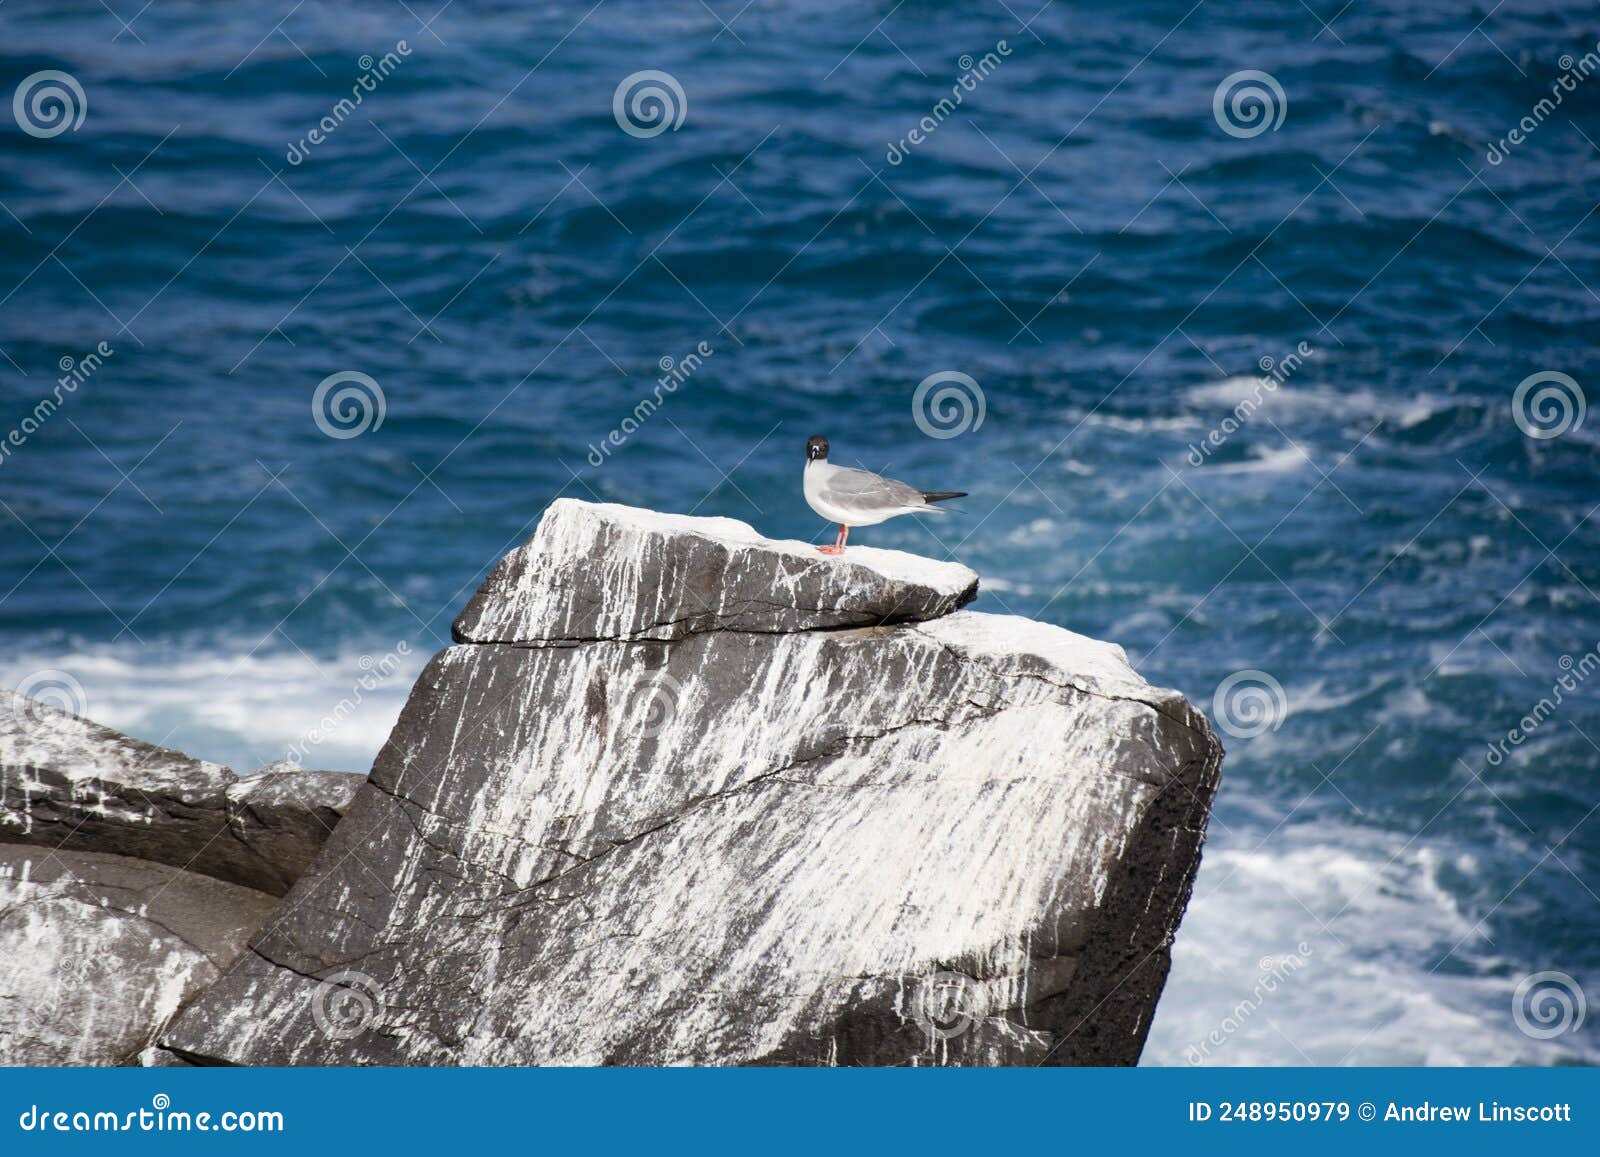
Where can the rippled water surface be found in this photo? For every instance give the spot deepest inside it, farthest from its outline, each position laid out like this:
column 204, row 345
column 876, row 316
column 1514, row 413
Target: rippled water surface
column 1399, row 570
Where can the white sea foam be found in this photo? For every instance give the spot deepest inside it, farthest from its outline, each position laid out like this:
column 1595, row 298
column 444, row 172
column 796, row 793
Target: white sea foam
column 1298, row 399
column 1131, row 425
column 1279, row 460
column 236, row 708
column 1377, row 922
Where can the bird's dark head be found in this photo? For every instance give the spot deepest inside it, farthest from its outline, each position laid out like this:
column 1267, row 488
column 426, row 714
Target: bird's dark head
column 816, row 448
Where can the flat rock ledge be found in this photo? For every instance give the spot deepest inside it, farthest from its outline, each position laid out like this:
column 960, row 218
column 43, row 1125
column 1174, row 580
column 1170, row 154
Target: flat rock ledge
column 131, row 876
column 599, row 571
column 685, row 796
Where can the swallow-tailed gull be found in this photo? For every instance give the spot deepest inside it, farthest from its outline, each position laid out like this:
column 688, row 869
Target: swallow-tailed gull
column 858, row 497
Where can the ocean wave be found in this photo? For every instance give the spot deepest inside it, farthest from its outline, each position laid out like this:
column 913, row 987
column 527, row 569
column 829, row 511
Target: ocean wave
column 1295, row 399
column 1376, row 987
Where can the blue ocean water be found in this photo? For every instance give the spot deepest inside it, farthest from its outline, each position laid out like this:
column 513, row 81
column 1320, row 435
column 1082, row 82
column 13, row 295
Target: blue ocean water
column 1249, row 376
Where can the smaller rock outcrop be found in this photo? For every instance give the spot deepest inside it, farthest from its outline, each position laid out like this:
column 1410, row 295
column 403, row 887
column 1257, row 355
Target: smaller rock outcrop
column 71, row 784
column 131, row 876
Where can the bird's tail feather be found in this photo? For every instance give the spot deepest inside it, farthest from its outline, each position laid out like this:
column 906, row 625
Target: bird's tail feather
column 929, row 497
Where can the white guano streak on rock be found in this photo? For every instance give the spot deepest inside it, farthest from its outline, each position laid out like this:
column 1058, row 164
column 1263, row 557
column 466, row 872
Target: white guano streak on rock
column 906, row 861
column 892, row 849
column 101, row 950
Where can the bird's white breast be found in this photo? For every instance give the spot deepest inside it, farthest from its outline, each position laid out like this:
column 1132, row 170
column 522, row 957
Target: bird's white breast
column 816, row 476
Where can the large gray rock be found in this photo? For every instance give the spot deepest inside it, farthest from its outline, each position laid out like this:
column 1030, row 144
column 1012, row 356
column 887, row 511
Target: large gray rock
column 101, row 950
column 69, row 783
column 966, row 840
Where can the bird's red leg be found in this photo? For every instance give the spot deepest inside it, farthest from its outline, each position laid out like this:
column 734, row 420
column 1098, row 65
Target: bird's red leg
column 838, row 542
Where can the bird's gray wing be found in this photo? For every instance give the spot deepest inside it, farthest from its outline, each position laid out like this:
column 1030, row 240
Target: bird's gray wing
column 849, row 487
